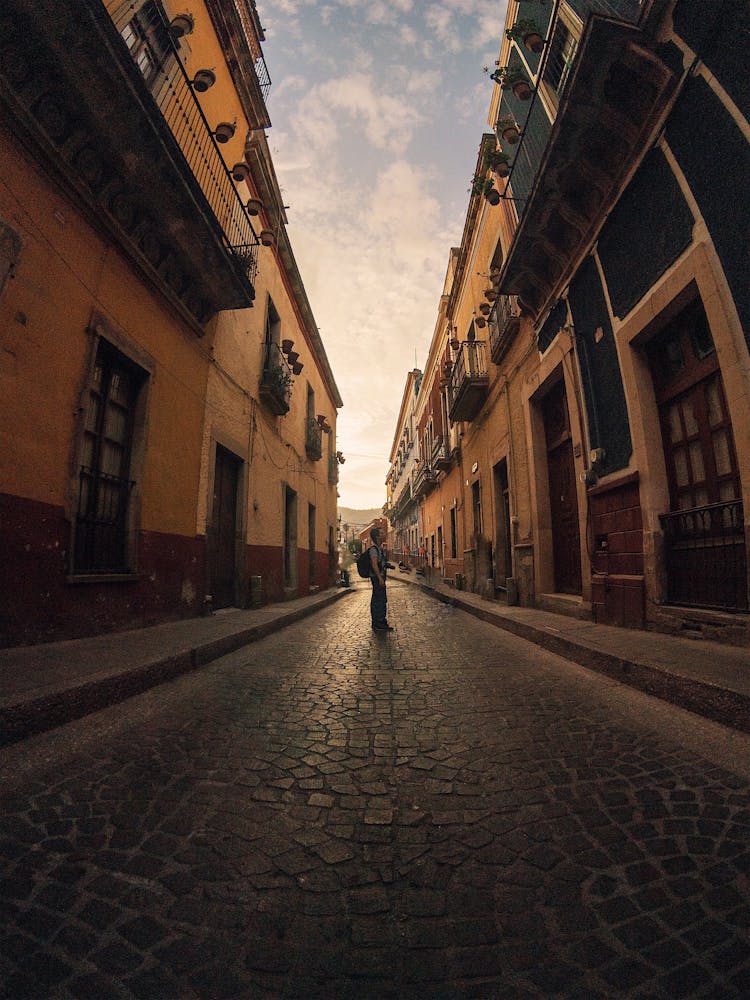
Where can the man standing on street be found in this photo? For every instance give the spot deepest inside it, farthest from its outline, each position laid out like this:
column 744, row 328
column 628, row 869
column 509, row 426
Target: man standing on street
column 378, row 570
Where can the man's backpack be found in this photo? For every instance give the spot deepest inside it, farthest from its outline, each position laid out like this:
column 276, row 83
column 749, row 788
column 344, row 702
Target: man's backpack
column 364, row 565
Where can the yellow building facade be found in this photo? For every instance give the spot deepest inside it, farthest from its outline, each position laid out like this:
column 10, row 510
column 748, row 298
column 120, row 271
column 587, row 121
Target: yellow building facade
column 134, row 300
column 593, row 361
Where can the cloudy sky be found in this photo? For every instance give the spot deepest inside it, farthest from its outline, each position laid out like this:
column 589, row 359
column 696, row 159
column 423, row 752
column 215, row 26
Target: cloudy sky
column 378, row 109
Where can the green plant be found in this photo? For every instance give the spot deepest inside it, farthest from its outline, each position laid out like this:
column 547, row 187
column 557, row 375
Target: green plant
column 523, row 26
column 505, row 122
column 493, row 158
column 481, row 185
column 508, row 75
column 279, row 377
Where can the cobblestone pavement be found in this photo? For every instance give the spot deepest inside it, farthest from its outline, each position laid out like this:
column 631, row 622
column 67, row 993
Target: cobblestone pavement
column 441, row 812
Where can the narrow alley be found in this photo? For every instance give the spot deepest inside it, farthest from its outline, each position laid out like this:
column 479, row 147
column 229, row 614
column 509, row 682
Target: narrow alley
column 446, row 811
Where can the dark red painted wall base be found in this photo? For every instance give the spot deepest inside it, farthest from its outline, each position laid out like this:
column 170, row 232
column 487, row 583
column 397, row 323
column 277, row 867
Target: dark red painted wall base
column 267, row 561
column 38, row 604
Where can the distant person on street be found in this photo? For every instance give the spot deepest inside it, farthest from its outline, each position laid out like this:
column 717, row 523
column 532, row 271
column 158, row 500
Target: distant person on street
column 378, row 571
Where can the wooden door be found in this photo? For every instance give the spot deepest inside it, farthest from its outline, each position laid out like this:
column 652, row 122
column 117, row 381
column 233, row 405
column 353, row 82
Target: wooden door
column 566, row 538
column 223, row 536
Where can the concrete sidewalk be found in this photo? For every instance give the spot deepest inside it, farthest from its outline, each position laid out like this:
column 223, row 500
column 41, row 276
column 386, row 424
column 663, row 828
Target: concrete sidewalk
column 52, row 683
column 708, row 678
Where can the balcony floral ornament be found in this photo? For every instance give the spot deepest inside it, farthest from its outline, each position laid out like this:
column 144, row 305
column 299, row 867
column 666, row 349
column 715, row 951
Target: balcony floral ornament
column 508, row 130
column 513, row 78
column 528, row 32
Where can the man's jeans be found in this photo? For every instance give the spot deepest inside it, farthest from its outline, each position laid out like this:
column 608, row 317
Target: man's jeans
column 378, row 603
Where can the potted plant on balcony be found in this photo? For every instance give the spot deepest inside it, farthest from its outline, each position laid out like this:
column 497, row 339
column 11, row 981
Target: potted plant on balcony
column 486, row 187
column 508, row 130
column 287, row 345
column 484, row 308
column 527, row 31
column 253, row 206
column 514, row 78
column 497, row 162
column 278, row 379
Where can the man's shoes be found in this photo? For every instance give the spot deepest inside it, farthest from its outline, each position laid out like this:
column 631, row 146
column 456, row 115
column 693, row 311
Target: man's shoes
column 383, row 628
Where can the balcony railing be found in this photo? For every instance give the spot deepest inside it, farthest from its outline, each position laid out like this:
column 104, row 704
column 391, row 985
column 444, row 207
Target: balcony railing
column 469, row 381
column 425, row 478
column 313, row 439
column 175, row 98
column 441, row 458
column 333, row 470
column 276, row 381
column 706, row 556
column 503, row 324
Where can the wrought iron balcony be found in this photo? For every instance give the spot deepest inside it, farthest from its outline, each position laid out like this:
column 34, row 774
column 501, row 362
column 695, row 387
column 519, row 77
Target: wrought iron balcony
column 706, row 556
column 469, row 381
column 503, row 323
column 425, row 479
column 441, row 457
column 174, row 94
column 276, row 381
column 238, row 28
column 116, row 126
column 313, row 439
column 614, row 91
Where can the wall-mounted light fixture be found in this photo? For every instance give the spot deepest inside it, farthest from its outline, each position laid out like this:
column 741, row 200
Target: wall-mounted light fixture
column 203, row 80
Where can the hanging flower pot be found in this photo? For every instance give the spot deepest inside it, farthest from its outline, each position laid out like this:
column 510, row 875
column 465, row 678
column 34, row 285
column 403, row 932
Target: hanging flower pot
column 455, row 343
column 514, row 78
column 485, row 308
column 528, row 32
column 203, row 80
column 181, row 25
column 501, row 170
column 297, row 367
column 253, row 206
column 287, row 345
column 507, row 130
column 490, row 294
column 480, row 322
column 267, row 238
column 321, row 419
column 533, row 41
column 292, row 357
column 493, row 196
column 240, row 172
column 224, row 131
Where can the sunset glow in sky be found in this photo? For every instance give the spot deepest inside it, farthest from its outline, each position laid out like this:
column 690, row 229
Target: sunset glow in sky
column 378, row 109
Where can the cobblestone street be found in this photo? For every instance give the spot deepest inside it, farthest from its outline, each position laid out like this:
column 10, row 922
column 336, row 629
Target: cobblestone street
column 445, row 811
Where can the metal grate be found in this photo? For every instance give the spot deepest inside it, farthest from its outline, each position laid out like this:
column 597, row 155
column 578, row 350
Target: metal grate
column 706, row 556
column 101, row 543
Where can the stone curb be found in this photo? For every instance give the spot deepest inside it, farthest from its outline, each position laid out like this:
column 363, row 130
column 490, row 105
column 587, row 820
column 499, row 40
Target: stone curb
column 49, row 711
column 730, row 708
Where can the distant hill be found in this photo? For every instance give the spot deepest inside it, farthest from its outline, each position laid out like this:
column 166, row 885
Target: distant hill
column 351, row 516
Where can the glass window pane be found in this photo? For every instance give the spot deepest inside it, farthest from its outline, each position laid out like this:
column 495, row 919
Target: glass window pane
column 115, row 424
column 689, row 416
column 675, row 424
column 680, row 467
column 728, row 490
column 92, row 413
column 722, row 456
column 696, row 462
column 112, row 459
column 700, row 497
column 700, row 338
